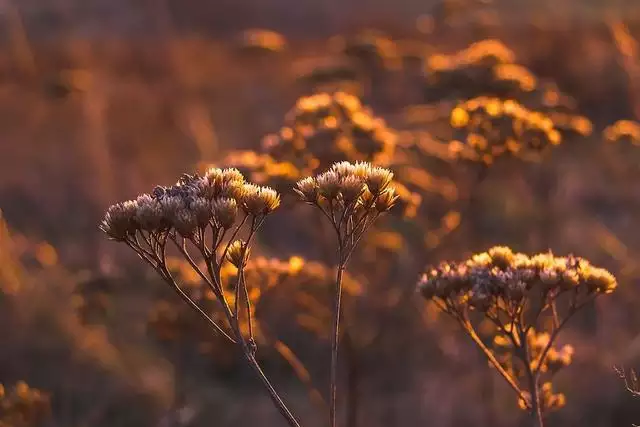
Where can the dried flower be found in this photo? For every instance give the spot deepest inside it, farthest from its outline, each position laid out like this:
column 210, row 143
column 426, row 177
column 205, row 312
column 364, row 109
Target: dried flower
column 120, row 220
column 329, row 185
column 238, row 253
column 386, row 200
column 307, row 189
column 149, row 213
column 225, row 212
column 260, row 200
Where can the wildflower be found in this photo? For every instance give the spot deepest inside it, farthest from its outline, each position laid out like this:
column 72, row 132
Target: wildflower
column 149, row 213
column 225, row 212
column 120, row 220
column 260, row 200
column 329, row 185
column 307, row 189
column 238, row 253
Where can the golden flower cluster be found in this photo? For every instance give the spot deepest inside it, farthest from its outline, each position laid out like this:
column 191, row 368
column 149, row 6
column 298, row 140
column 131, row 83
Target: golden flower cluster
column 191, row 205
column 547, row 362
column 484, row 68
column 515, row 293
column 500, row 278
column 354, row 190
column 325, row 128
column 569, row 124
column 22, row 406
column 490, row 51
column 495, row 127
column 549, row 399
column 623, row 130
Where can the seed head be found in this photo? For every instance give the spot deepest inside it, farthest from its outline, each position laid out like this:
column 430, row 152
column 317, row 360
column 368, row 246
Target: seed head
column 343, row 169
column 329, row 185
column 231, row 175
column 352, row 188
column 119, row 221
column 201, row 209
column 185, row 222
column 149, row 213
column 307, row 189
column 362, row 169
column 225, row 212
column 238, row 253
column 170, row 206
column 386, row 199
column 378, row 180
column 260, row 200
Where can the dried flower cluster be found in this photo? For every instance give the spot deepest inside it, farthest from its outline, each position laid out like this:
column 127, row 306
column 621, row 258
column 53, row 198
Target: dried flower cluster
column 22, row 406
column 189, row 207
column 351, row 196
column 515, row 292
column 494, row 127
column 324, row 128
column 484, row 68
column 203, row 217
column 499, row 279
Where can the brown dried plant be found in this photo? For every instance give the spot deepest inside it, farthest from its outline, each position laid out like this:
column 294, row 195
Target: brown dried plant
column 494, row 127
column 351, row 197
column 22, row 406
column 203, row 218
column 528, row 300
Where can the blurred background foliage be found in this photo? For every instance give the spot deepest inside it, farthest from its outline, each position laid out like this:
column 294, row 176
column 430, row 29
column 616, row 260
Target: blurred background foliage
column 506, row 122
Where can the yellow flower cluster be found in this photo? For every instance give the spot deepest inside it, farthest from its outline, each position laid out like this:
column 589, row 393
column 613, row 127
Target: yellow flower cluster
column 326, row 128
column 499, row 277
column 495, row 127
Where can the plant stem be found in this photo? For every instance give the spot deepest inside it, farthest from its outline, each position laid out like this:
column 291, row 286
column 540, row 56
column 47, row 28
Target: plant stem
column 536, row 408
column 532, row 377
column 272, row 391
column 334, row 345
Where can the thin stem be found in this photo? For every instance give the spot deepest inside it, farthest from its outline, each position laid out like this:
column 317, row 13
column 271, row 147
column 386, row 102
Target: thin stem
column 247, row 302
column 334, row 343
column 286, row 413
column 556, row 331
column 533, row 380
column 492, row 359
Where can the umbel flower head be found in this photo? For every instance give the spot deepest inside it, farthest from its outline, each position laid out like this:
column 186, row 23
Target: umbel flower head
column 192, row 204
column 515, row 293
column 350, row 186
column 500, row 275
column 352, row 196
